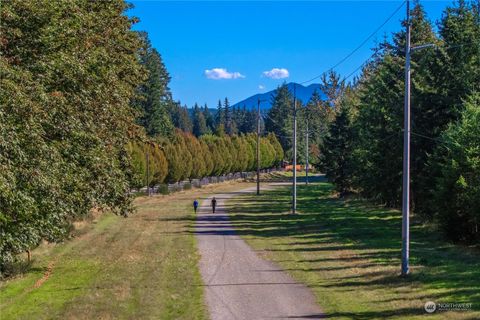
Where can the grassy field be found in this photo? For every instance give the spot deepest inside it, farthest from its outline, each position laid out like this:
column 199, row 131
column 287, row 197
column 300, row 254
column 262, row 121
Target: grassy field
column 348, row 253
column 141, row 267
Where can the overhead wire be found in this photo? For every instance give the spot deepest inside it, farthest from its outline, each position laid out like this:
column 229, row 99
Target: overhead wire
column 358, row 47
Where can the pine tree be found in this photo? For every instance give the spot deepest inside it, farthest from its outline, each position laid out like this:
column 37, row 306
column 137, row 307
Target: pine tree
column 279, row 117
column 181, row 118
column 333, row 87
column 380, row 118
column 318, row 114
column 248, row 122
column 337, row 157
column 155, row 96
column 208, row 119
column 199, row 122
column 220, row 117
column 455, row 194
column 229, row 124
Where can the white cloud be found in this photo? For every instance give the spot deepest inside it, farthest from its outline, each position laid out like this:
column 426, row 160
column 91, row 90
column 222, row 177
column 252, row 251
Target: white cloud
column 276, row 73
column 222, row 73
column 261, row 87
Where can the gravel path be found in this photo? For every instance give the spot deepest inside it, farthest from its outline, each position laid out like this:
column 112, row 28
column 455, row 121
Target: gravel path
column 238, row 283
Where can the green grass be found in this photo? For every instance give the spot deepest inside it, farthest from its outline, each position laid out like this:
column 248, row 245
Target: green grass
column 141, row 267
column 348, row 253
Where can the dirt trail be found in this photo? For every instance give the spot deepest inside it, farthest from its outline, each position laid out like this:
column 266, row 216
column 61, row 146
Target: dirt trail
column 238, row 283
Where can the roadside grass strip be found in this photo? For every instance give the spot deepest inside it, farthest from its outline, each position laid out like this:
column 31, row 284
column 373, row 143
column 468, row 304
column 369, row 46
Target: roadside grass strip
column 348, row 252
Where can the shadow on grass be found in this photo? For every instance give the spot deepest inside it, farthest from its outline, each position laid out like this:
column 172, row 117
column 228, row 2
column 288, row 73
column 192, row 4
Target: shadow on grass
column 384, row 314
column 369, row 236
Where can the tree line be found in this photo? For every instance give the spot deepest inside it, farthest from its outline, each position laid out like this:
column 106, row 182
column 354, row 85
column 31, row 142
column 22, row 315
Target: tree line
column 186, row 157
column 362, row 151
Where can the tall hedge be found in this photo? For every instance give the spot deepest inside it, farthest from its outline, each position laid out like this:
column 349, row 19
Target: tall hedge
column 187, row 157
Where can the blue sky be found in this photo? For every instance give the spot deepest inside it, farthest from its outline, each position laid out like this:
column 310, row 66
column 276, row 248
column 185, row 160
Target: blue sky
column 259, row 43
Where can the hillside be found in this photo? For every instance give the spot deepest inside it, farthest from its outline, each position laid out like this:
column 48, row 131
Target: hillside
column 303, row 94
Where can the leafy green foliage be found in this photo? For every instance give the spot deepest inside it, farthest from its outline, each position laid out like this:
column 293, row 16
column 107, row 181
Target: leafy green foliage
column 69, row 71
column 187, row 157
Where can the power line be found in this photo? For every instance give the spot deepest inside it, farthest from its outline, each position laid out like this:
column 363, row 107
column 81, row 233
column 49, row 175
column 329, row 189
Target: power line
column 360, row 66
column 357, row 48
column 453, row 46
column 440, row 141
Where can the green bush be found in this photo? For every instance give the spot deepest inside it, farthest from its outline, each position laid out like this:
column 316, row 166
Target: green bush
column 163, row 189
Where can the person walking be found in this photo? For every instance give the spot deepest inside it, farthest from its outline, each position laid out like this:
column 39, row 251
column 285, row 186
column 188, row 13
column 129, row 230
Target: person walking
column 195, row 205
column 214, row 204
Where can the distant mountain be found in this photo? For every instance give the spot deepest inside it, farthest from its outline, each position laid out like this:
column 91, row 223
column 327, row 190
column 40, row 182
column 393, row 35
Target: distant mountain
column 303, row 94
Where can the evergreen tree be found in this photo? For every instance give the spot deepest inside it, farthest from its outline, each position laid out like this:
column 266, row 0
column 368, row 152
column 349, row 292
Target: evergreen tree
column 378, row 148
column 318, row 115
column 380, row 120
column 174, row 160
column 155, row 97
column 207, row 158
column 279, row 117
column 333, row 86
column 251, row 122
column 199, row 122
column 337, row 157
column 278, row 149
column 198, row 160
column 241, row 160
column 181, row 118
column 208, row 119
column 220, row 117
column 229, row 124
column 455, row 194
column 160, row 165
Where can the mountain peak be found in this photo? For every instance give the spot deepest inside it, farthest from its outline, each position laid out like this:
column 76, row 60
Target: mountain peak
column 303, row 94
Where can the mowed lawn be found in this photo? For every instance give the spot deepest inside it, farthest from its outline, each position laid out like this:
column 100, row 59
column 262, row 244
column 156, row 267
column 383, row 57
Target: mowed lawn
column 140, row 267
column 348, row 253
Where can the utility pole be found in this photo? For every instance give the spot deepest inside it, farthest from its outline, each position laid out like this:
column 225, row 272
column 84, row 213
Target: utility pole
column 148, row 173
column 406, row 149
column 258, row 147
column 406, row 157
column 294, row 146
column 306, row 156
